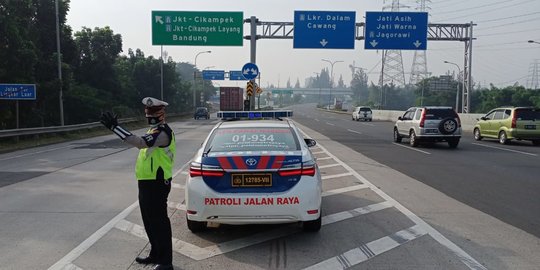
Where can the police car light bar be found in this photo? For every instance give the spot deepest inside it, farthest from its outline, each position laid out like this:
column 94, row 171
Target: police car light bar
column 254, row 114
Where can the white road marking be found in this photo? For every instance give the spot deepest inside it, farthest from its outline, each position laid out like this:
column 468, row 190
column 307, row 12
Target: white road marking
column 71, row 267
column 90, row 241
column 329, row 219
column 411, row 148
column 369, row 250
column 179, row 186
column 354, row 131
column 330, row 124
column 318, row 152
column 343, row 190
column 38, row 152
column 323, row 158
column 316, row 119
column 460, row 253
column 505, row 149
column 367, row 124
column 335, row 175
column 176, row 205
column 329, row 165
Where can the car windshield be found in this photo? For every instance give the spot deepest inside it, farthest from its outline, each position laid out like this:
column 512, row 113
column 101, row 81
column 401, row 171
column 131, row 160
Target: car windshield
column 365, row 109
column 201, row 110
column 437, row 114
column 254, row 139
column 528, row 114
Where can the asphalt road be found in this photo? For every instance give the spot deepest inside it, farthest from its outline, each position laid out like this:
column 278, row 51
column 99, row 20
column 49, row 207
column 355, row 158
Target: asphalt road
column 500, row 180
column 73, row 206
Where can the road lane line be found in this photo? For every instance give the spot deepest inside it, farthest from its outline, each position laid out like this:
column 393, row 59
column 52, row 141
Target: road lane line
column 460, row 253
column 324, row 158
column 343, row 190
column 330, row 124
column 368, row 124
column 318, row 152
column 179, row 186
column 90, row 241
column 329, row 165
column 176, row 205
column 335, row 175
column 316, row 119
column 354, row 131
column 370, row 250
column 38, row 152
column 505, row 149
column 408, row 147
column 333, row 218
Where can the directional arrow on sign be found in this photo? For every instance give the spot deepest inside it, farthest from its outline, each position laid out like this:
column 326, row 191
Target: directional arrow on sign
column 159, row 20
column 374, row 43
column 248, row 71
column 417, row 43
column 324, row 42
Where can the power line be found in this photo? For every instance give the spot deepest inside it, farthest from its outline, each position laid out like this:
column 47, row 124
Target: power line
column 481, row 6
column 499, row 19
column 505, row 24
column 508, row 32
column 489, row 10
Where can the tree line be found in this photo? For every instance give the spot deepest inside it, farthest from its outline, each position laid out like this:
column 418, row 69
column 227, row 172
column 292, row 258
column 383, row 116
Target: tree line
column 96, row 77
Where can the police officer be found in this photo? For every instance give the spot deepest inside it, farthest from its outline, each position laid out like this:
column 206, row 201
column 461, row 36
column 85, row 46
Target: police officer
column 154, row 174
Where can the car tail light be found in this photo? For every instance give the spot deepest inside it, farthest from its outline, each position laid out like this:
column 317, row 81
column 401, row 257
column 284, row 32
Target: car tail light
column 423, row 117
column 458, row 120
column 313, row 212
column 198, row 169
column 305, row 168
column 514, row 119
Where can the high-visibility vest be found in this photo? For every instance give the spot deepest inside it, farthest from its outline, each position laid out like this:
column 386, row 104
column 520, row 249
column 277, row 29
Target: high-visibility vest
column 151, row 160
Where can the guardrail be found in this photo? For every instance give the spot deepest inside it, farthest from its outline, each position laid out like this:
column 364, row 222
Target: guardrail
column 55, row 129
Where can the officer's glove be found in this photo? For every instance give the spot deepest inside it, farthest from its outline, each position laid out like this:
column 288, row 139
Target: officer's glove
column 110, row 121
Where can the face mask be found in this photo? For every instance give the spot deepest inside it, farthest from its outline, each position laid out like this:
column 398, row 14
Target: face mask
column 152, row 120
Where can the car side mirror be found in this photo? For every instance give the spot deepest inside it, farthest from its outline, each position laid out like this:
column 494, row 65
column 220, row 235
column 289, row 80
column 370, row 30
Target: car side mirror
column 400, row 118
column 483, row 118
column 310, row 142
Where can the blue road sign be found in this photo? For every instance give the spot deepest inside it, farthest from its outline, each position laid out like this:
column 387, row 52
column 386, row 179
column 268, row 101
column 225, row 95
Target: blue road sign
column 18, row 91
column 236, row 75
column 324, row 29
column 396, row 31
column 250, row 71
column 213, row 74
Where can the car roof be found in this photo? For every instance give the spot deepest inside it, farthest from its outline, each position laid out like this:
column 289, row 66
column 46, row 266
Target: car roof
column 433, row 107
column 255, row 123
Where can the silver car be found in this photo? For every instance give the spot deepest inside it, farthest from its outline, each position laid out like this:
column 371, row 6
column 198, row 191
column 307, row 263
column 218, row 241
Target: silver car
column 362, row 113
column 429, row 124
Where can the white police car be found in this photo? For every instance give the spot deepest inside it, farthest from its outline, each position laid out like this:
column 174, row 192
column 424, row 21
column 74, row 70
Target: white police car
column 254, row 172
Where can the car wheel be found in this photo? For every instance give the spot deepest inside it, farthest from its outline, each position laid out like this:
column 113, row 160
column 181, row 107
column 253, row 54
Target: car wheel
column 370, row 119
column 312, row 225
column 453, row 143
column 448, row 126
column 196, row 226
column 397, row 137
column 503, row 139
column 536, row 142
column 477, row 135
column 413, row 140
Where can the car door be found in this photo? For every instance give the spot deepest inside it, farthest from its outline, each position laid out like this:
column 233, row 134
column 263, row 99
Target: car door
column 405, row 124
column 484, row 124
column 497, row 122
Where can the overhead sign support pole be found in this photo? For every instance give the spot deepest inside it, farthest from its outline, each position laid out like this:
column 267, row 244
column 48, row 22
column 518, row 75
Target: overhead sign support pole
column 253, row 55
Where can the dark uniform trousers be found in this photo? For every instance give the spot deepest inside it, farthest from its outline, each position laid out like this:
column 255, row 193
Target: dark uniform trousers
column 153, row 203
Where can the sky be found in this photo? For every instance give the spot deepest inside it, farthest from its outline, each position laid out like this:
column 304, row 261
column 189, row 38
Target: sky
column 501, row 54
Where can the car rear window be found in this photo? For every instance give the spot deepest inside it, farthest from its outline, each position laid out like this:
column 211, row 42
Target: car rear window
column 527, row 114
column 438, row 114
column 253, row 139
column 365, row 109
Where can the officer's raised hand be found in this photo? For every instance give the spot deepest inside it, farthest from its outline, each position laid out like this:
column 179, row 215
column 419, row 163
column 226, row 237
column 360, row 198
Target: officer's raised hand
column 110, row 121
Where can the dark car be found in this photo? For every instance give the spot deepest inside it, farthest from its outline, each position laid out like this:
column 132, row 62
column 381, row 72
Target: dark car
column 201, row 112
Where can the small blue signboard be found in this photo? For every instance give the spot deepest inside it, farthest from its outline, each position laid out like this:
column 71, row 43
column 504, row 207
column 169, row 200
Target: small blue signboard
column 324, row 29
column 213, row 74
column 236, row 75
column 396, row 30
column 18, row 91
column 250, row 71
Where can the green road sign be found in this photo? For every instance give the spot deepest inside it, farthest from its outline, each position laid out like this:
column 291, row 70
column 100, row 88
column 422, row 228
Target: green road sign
column 197, row 28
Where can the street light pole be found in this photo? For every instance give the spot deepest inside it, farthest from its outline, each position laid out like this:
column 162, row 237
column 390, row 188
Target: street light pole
column 194, row 100
column 457, row 92
column 59, row 60
column 332, row 77
column 318, row 83
column 202, row 87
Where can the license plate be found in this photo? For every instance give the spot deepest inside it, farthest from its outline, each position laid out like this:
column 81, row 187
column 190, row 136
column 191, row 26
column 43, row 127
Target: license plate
column 431, row 131
column 530, row 126
column 251, row 180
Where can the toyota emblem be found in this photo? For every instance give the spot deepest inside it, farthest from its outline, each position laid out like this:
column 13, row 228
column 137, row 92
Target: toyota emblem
column 251, row 161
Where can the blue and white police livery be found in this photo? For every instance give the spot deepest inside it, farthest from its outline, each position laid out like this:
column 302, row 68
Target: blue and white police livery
column 254, row 172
